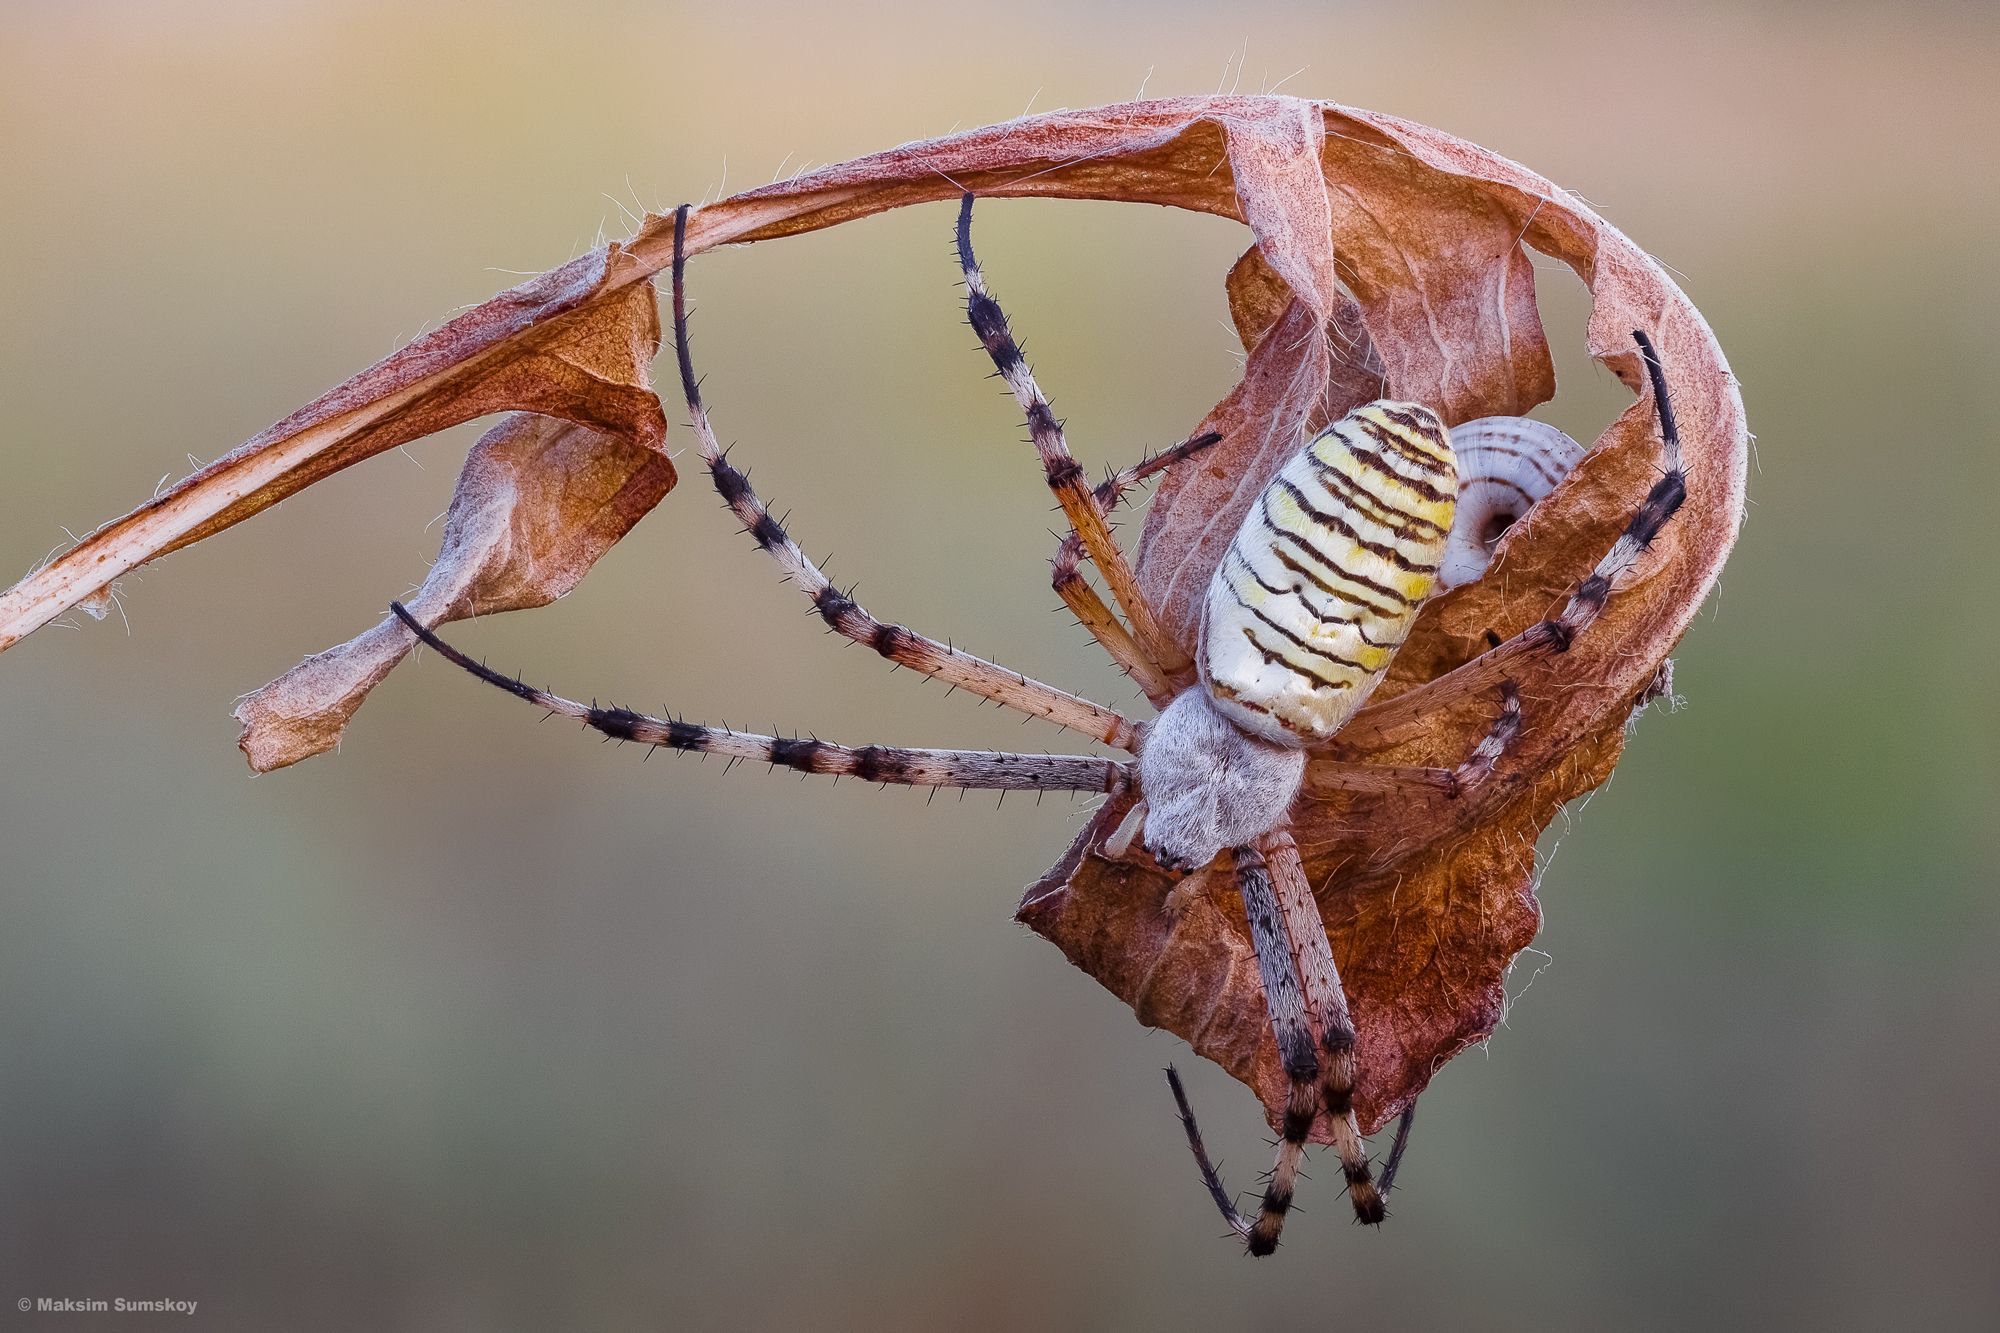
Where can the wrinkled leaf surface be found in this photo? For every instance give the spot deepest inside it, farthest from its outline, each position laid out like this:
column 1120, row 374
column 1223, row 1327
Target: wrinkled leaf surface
column 1387, row 258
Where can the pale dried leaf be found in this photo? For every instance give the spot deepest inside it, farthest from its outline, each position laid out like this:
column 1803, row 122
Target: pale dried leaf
column 576, row 342
column 539, row 501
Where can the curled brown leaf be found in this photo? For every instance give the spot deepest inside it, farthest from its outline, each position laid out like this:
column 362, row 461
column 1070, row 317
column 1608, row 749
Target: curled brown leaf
column 1388, row 259
column 576, row 342
column 539, row 501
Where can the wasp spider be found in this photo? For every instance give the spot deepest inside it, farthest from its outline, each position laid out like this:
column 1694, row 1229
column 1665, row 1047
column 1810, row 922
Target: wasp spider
column 1317, row 590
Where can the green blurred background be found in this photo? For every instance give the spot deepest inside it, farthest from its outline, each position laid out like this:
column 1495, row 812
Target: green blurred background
column 480, row 1025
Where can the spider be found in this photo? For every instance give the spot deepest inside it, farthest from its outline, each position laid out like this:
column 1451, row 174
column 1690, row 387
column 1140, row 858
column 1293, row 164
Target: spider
column 1314, row 595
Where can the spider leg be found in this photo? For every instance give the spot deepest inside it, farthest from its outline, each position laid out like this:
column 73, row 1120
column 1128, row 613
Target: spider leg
column 1387, row 1180
column 1286, row 1003
column 1111, row 491
column 1210, row 1177
column 841, row 612
column 874, row 763
column 1326, row 778
column 1307, row 929
column 1328, row 1002
column 1063, row 473
column 1403, row 716
column 1066, row 576
column 1279, row 904
column 1105, row 627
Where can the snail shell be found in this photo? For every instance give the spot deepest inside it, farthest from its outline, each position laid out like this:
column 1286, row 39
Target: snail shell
column 1505, row 464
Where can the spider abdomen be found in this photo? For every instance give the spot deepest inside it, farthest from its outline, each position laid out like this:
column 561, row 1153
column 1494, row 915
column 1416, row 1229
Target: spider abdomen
column 1330, row 566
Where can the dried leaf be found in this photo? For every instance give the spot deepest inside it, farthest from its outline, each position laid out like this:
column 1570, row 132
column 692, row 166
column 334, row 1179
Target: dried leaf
column 539, row 501
column 521, row 349
column 1389, row 258
column 576, row 342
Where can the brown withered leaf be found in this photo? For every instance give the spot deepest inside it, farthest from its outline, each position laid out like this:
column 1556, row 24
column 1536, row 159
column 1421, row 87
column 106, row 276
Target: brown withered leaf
column 539, row 500
column 576, row 342
column 1388, row 258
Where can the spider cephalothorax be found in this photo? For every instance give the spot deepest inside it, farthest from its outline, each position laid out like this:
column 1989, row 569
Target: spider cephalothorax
column 1307, row 608
column 1206, row 784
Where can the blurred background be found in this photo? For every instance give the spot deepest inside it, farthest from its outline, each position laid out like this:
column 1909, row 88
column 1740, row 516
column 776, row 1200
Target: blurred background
column 480, row 1025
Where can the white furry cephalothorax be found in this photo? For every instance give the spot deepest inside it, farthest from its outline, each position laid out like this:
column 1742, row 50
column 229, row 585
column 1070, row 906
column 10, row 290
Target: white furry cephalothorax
column 1208, row 783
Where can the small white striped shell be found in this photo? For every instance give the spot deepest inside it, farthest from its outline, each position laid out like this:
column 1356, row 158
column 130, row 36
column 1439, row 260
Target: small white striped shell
column 1505, row 464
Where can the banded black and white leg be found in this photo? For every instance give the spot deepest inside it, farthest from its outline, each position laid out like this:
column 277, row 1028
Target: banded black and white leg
column 1291, row 1024
column 1326, row 1001
column 1065, row 478
column 1285, row 1002
column 841, row 612
column 971, row 769
column 1283, row 914
column 1315, row 1039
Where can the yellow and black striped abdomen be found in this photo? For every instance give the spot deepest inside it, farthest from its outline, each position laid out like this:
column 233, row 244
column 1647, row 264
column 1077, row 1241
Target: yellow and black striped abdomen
column 1331, row 565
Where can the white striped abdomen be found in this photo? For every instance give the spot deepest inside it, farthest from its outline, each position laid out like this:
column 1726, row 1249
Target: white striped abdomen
column 1329, row 568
